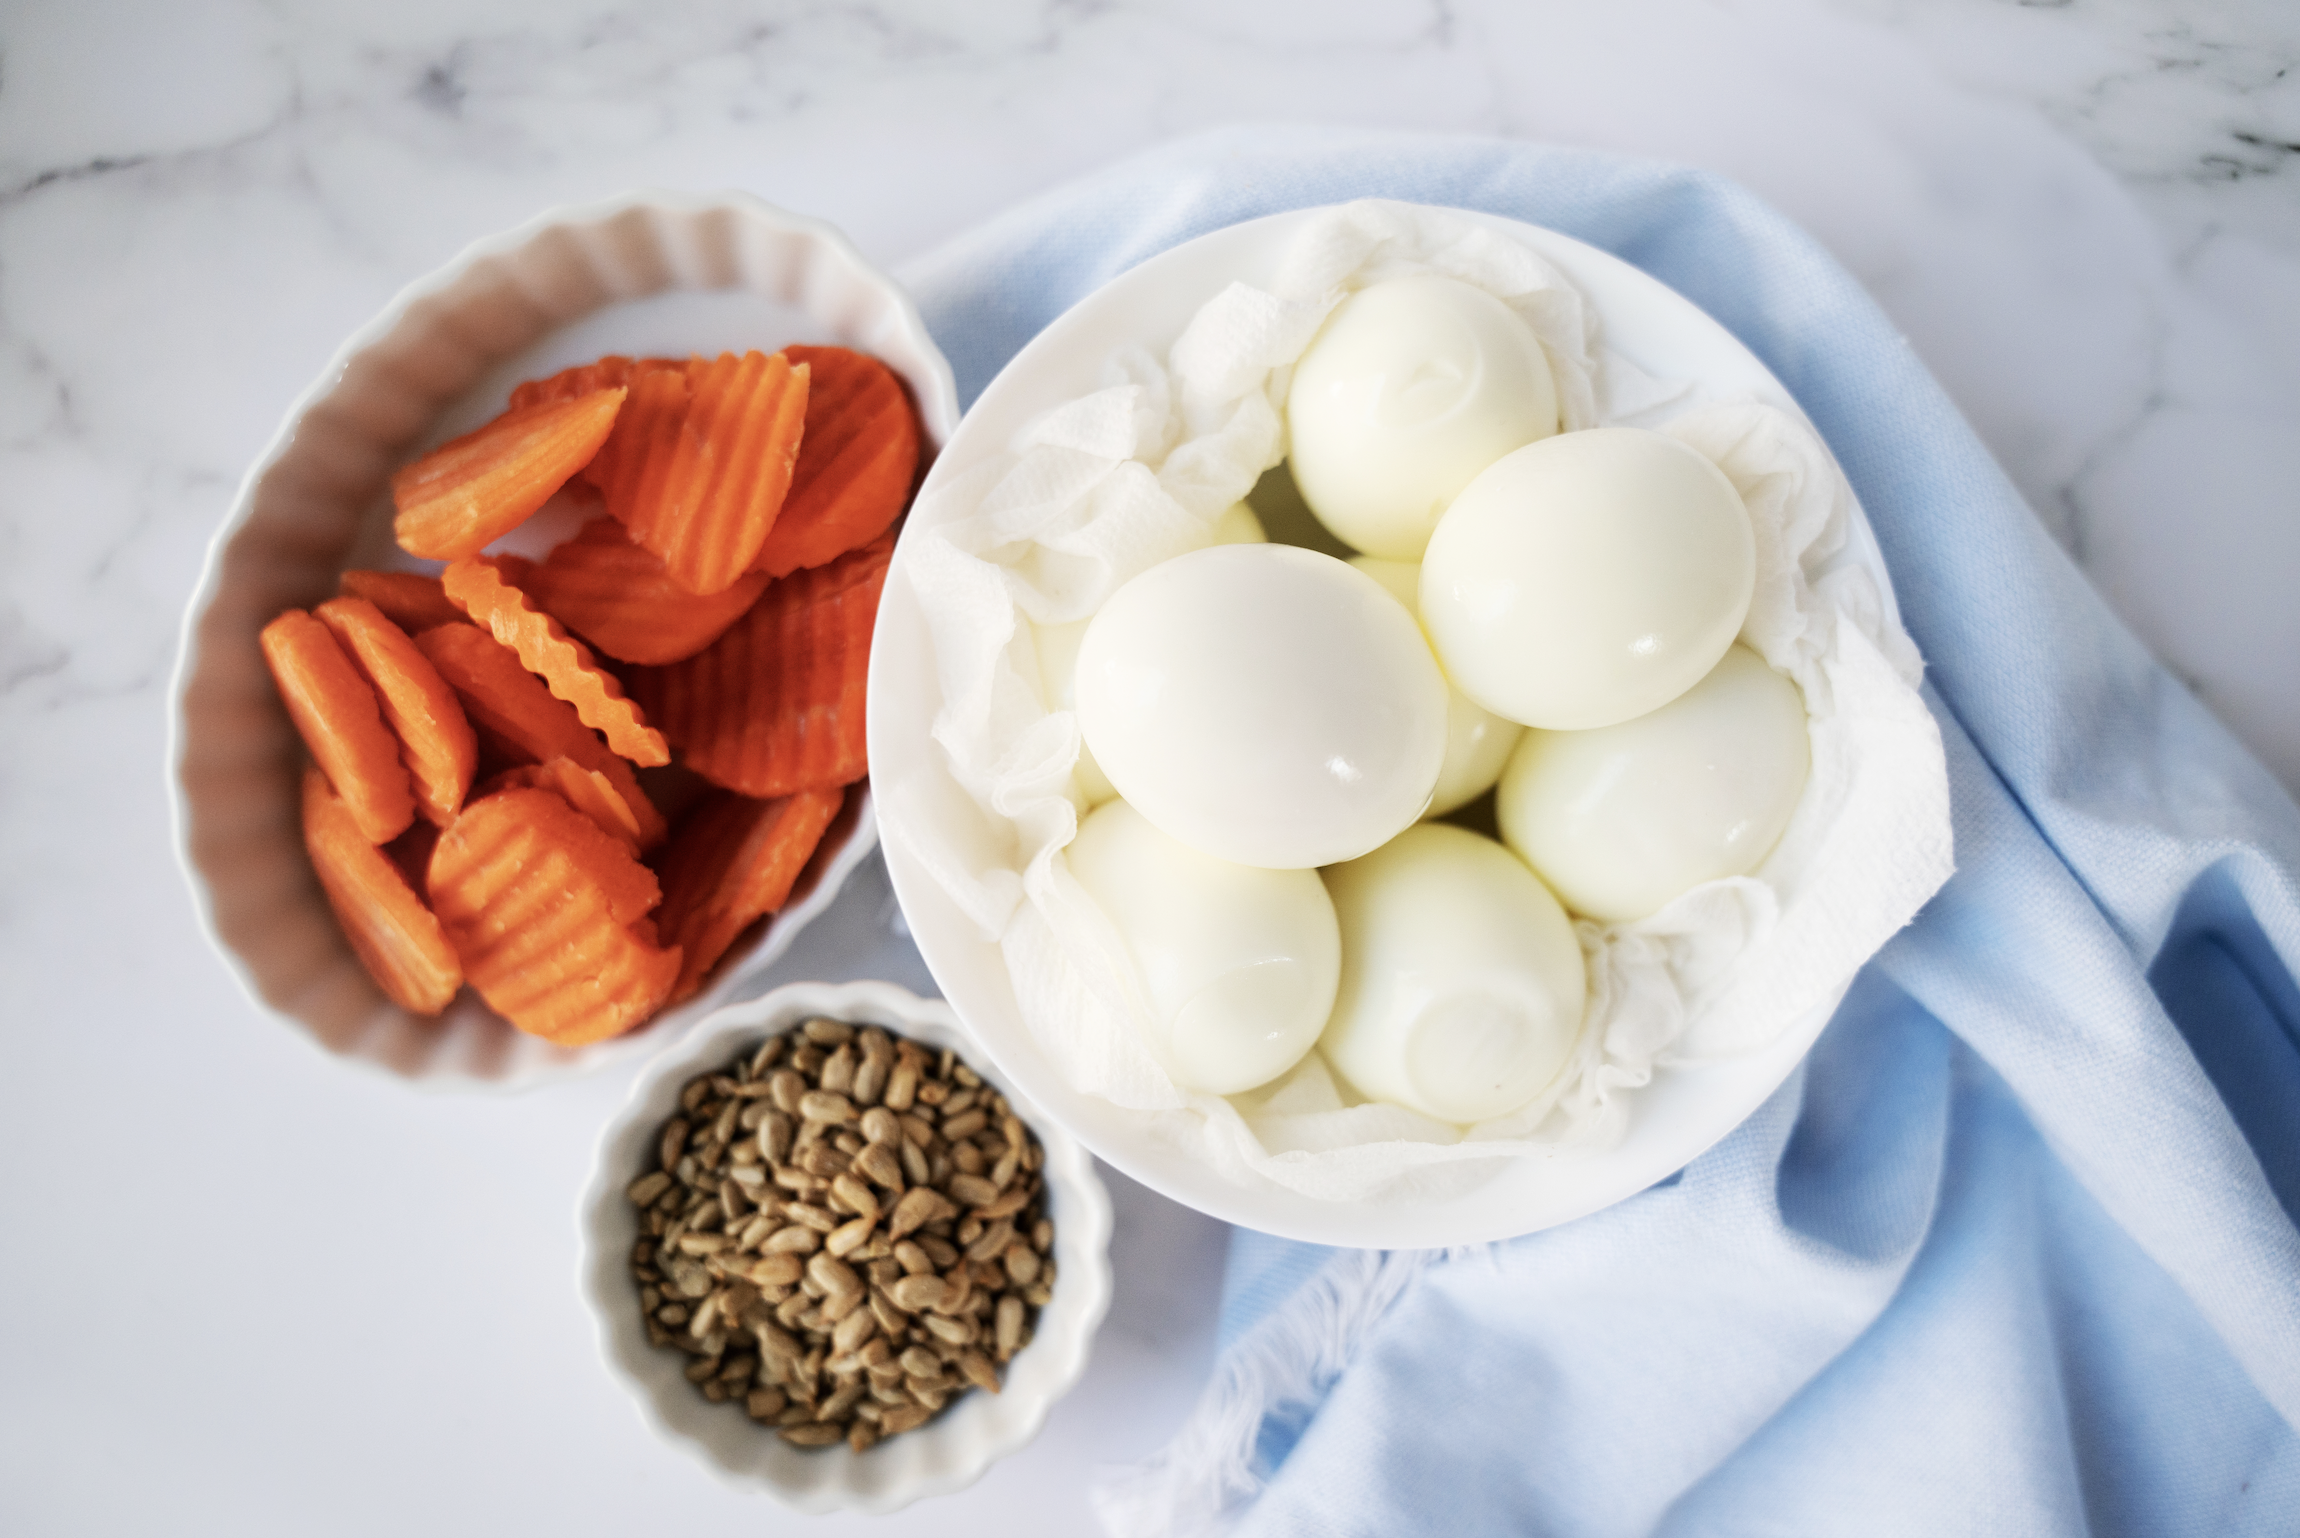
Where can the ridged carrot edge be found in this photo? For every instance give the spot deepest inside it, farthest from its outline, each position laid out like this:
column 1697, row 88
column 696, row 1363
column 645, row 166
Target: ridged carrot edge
column 537, row 932
column 733, row 861
column 621, row 598
column 700, row 462
column 858, row 458
column 562, row 662
column 524, row 720
column 776, row 704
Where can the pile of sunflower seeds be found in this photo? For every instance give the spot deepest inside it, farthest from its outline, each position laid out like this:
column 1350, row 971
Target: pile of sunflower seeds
column 844, row 1230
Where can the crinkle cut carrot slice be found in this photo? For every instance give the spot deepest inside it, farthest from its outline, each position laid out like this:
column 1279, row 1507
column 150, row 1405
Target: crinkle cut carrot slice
column 857, row 459
column 465, row 495
column 586, row 790
column 734, row 861
column 341, row 722
column 564, row 663
column 408, row 599
column 523, row 720
column 391, row 931
column 622, row 599
column 776, row 704
column 608, row 373
column 436, row 742
column 700, row 462
column 607, row 863
column 538, row 934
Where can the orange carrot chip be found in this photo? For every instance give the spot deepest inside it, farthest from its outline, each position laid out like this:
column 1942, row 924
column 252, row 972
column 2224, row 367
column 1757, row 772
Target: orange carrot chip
column 857, row 458
column 776, row 704
column 465, row 495
column 436, row 742
column 564, row 663
column 701, row 459
column 529, row 894
column 733, row 862
column 341, row 723
column 408, row 599
column 394, row 935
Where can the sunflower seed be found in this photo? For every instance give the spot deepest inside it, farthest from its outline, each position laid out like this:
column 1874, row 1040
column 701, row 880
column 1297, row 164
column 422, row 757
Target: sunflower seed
column 813, row 1433
column 973, row 1190
column 978, row 1371
column 826, row 1106
column 914, row 1294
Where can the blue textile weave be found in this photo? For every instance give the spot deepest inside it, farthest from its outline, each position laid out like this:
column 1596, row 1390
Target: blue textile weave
column 2014, row 1251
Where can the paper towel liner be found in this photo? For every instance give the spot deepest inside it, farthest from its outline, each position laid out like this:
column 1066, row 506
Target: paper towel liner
column 1105, row 487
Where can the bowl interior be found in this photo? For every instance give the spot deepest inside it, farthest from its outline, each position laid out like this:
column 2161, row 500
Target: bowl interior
column 978, row 1428
column 652, row 273
column 1681, row 1113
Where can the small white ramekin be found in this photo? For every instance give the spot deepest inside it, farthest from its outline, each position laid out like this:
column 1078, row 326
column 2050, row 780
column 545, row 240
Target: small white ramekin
column 647, row 272
column 947, row 1453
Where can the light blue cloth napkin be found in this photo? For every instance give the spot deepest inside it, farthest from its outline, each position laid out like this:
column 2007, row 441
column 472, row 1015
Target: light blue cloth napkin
column 2014, row 1251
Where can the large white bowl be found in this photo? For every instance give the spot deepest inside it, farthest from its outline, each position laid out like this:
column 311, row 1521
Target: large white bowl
column 1682, row 1112
column 646, row 273
column 949, row 1452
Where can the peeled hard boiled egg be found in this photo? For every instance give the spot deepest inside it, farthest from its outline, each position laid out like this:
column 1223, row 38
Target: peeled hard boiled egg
column 1588, row 578
column 1621, row 819
column 1462, row 983
column 1477, row 742
column 1408, row 391
column 1263, row 704
column 1240, row 963
column 1058, row 653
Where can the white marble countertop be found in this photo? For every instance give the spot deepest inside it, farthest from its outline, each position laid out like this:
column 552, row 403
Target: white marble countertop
column 250, row 1290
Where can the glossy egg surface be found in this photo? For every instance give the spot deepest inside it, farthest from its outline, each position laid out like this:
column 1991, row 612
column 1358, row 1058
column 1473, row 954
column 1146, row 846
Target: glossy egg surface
column 1588, row 578
column 1263, row 704
column 1408, row 391
column 1462, row 983
column 1240, row 963
column 1621, row 819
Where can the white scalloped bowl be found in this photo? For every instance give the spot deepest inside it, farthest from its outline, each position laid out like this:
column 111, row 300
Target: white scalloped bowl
column 644, row 273
column 947, row 1453
column 1681, row 1113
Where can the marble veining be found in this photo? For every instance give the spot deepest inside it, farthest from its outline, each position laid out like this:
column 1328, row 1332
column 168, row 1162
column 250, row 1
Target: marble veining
column 2085, row 216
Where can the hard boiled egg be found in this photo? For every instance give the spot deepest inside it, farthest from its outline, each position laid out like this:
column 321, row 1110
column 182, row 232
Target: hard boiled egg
column 1263, row 704
column 1477, row 742
column 1058, row 654
column 1621, row 819
column 1588, row 578
column 1408, row 391
column 1462, row 984
column 1240, row 964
